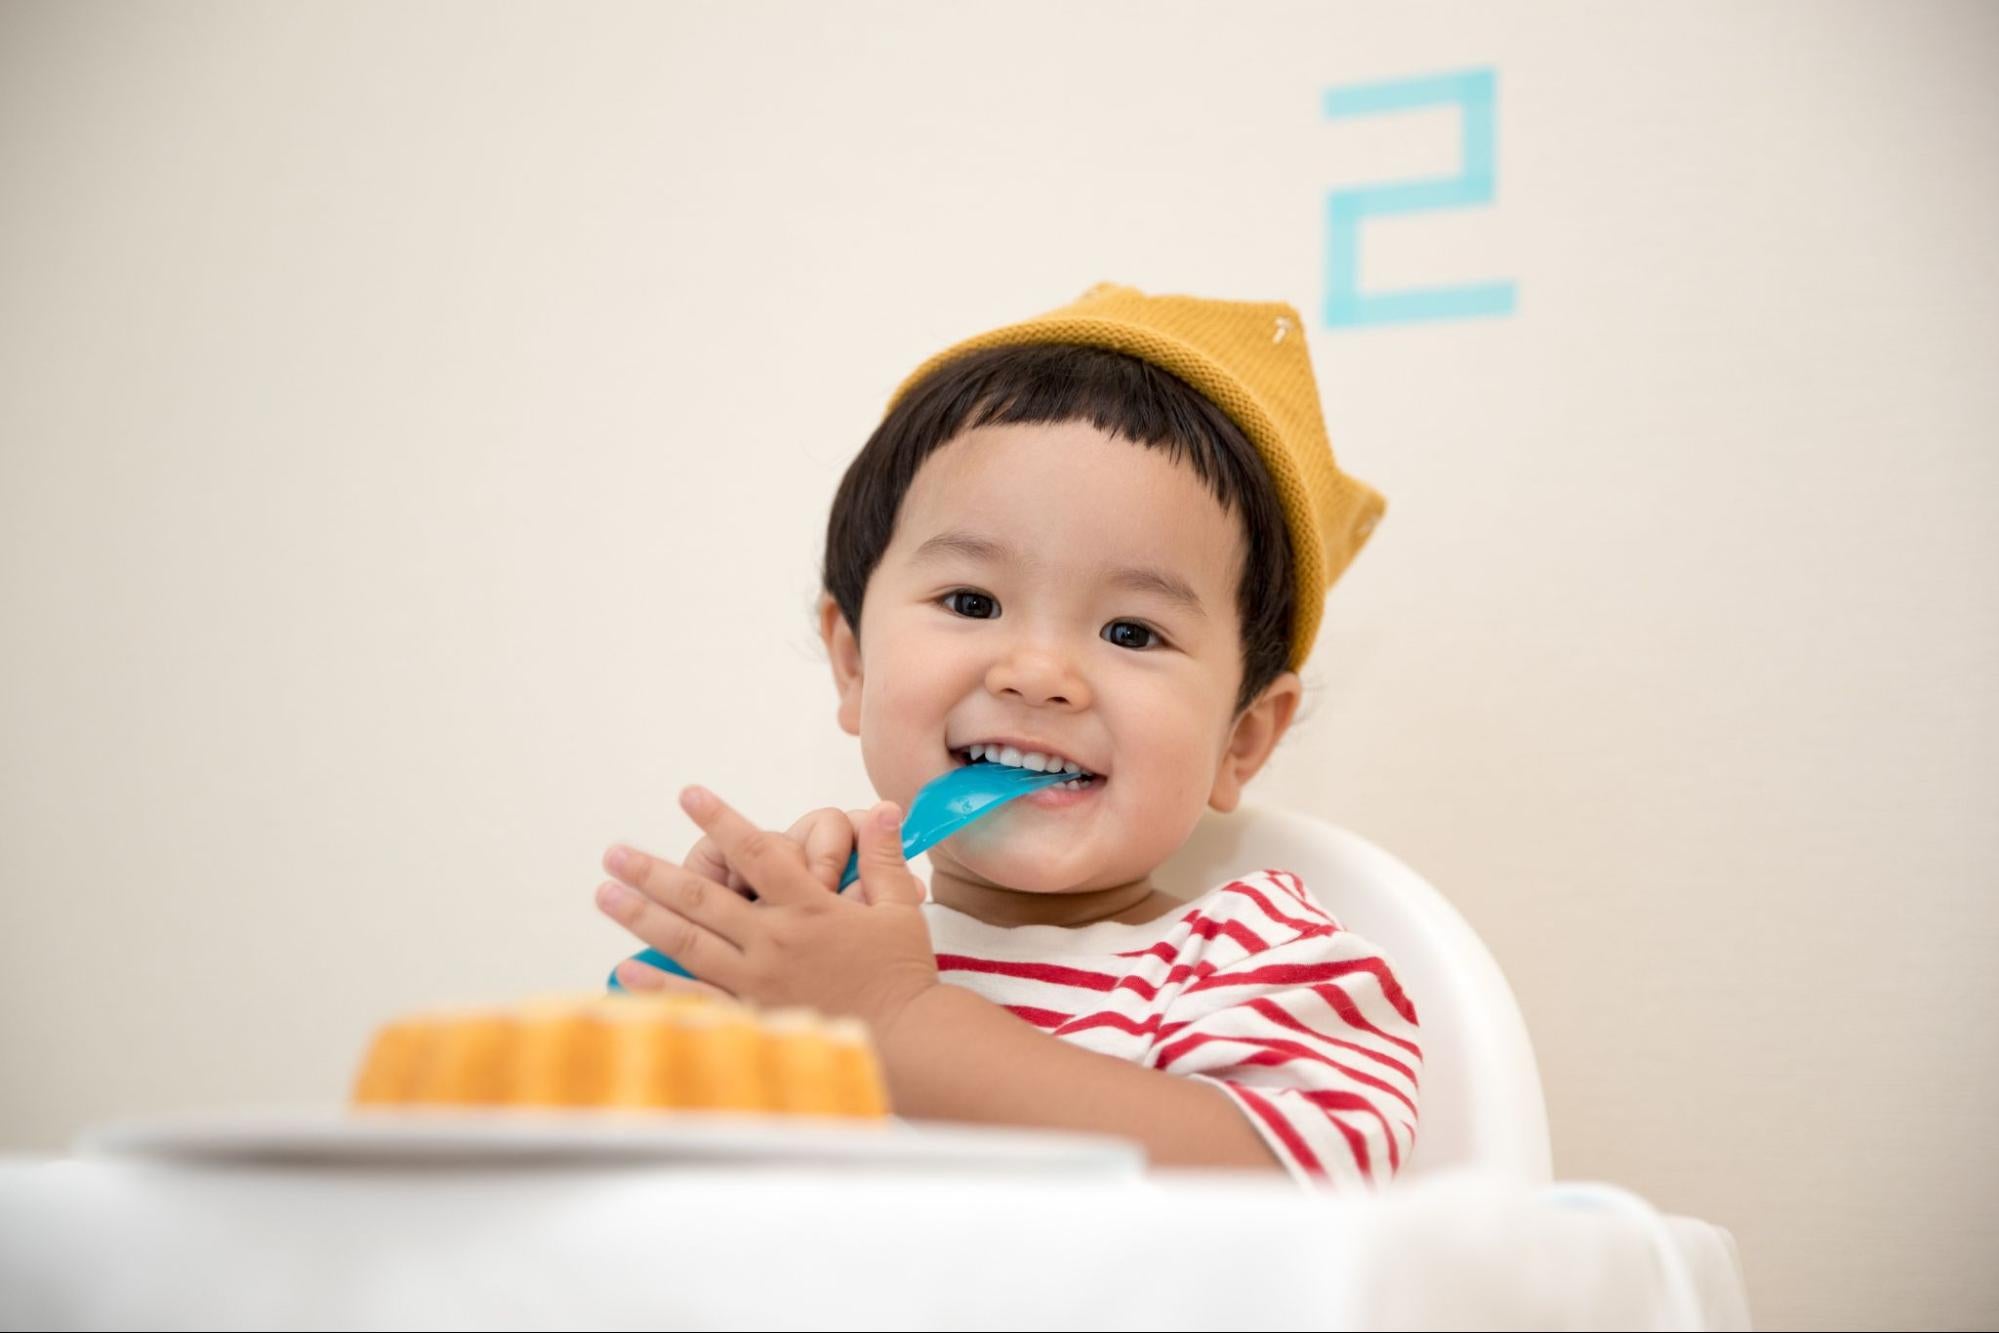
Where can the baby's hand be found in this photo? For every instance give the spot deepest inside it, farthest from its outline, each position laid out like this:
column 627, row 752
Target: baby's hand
column 828, row 835
column 863, row 954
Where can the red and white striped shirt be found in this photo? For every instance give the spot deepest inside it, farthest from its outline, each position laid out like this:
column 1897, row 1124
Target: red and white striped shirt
column 1252, row 987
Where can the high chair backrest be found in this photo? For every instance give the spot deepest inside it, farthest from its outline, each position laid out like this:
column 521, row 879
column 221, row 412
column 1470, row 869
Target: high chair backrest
column 1481, row 1103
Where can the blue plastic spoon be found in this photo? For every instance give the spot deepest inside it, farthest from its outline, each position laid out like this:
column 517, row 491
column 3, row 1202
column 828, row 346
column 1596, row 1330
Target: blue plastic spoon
column 946, row 804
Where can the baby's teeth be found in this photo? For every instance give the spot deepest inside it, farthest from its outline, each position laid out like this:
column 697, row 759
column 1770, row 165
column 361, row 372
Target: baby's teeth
column 1031, row 759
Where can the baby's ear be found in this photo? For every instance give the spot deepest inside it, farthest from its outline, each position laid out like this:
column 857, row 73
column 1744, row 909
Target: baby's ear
column 843, row 651
column 1253, row 737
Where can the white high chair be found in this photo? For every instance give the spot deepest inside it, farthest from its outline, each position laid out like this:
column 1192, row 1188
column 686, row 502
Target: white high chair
column 1481, row 1104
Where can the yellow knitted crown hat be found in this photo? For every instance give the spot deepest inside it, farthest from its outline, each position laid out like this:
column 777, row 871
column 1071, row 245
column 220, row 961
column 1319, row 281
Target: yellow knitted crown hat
column 1248, row 358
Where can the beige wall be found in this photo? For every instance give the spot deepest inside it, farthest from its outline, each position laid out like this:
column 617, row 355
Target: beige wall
column 417, row 425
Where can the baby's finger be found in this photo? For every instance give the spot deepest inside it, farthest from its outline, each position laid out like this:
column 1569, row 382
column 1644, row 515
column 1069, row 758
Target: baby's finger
column 884, row 872
column 687, row 936
column 643, row 977
column 707, row 861
column 828, row 837
column 769, row 860
column 855, row 818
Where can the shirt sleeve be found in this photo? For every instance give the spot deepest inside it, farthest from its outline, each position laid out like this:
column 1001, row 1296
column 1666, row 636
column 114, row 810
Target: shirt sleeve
column 1315, row 1042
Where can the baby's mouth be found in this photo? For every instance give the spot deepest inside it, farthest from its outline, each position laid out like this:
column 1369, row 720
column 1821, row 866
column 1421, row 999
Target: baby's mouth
column 979, row 754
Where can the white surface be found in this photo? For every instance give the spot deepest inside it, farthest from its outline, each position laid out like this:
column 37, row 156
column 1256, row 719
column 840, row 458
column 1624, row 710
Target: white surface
column 1482, row 1105
column 499, row 1138
column 108, row 1243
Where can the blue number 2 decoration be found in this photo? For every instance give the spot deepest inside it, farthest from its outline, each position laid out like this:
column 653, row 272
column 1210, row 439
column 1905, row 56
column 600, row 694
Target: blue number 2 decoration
column 1346, row 304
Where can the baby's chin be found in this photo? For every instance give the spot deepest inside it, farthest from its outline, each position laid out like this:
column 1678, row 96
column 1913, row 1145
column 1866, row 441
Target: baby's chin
column 1000, row 870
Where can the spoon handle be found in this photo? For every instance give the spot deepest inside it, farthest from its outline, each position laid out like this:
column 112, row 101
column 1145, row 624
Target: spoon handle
column 958, row 805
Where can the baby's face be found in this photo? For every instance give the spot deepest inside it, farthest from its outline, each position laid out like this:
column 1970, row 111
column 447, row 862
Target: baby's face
column 1051, row 638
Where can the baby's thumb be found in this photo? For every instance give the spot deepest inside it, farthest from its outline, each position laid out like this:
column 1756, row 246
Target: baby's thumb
column 884, row 873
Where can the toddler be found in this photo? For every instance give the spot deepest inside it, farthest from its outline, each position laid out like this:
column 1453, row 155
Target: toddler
column 1098, row 540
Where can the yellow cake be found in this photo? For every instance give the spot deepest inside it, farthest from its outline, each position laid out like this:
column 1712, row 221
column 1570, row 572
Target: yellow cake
column 627, row 1052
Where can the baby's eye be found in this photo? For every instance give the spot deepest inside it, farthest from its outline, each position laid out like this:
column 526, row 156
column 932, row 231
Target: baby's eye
column 950, row 599
column 1130, row 624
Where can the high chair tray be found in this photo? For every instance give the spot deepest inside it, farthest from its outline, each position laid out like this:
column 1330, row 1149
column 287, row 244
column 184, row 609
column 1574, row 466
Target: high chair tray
column 520, row 1137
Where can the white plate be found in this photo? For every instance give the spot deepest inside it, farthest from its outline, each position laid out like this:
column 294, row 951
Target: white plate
column 504, row 1137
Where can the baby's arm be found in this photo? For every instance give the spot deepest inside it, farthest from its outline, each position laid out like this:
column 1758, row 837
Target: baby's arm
column 952, row 1055
column 1297, row 1026
column 1313, row 1038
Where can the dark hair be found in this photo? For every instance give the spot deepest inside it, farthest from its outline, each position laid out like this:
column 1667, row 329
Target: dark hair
column 1051, row 383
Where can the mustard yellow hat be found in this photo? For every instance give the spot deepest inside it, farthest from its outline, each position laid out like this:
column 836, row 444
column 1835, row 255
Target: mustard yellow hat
column 1249, row 359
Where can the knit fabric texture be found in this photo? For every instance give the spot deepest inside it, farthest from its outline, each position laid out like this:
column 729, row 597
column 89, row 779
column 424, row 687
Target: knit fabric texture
column 1249, row 359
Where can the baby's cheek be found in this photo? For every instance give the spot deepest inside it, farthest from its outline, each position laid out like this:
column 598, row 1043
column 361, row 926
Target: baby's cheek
column 1165, row 773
